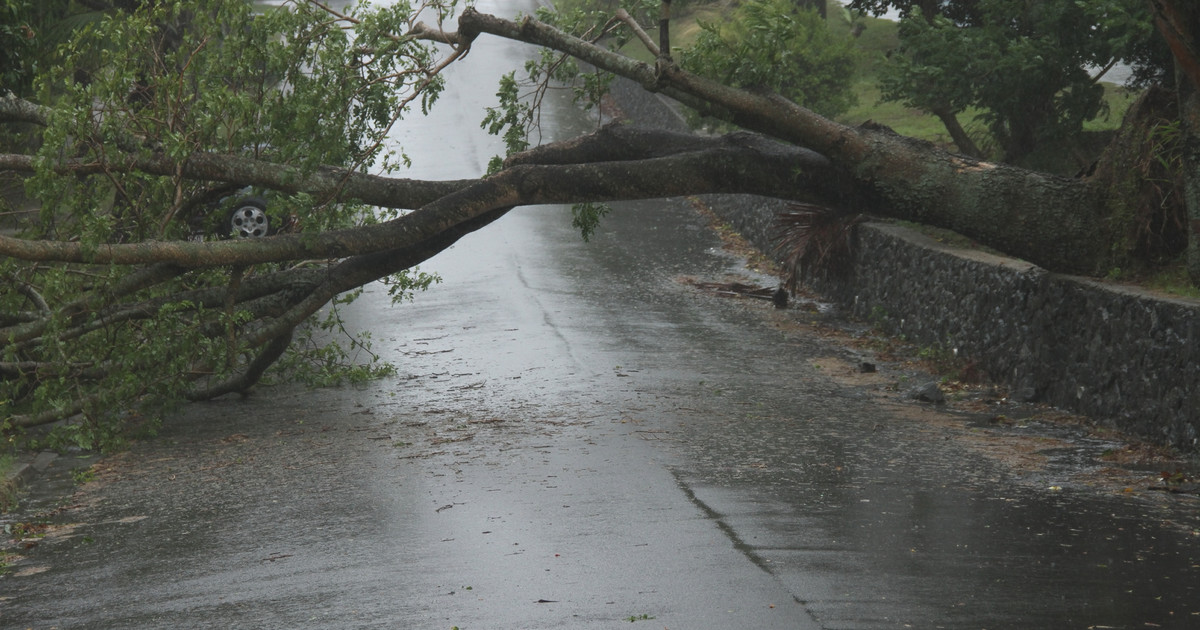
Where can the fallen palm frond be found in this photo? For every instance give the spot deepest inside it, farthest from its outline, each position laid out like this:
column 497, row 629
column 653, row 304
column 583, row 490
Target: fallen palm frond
column 813, row 239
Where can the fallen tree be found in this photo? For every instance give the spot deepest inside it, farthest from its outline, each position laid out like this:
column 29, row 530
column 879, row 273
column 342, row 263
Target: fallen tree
column 114, row 302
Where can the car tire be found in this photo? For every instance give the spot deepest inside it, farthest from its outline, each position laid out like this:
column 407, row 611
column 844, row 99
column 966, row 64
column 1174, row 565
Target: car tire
column 248, row 219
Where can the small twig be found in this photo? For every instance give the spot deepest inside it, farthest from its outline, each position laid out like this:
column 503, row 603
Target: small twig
column 176, row 202
column 423, row 31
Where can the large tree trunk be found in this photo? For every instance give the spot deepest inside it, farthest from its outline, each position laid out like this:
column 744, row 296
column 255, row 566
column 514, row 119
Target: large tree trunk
column 1060, row 223
column 1053, row 221
column 1179, row 24
column 1189, row 106
column 1140, row 174
column 1063, row 224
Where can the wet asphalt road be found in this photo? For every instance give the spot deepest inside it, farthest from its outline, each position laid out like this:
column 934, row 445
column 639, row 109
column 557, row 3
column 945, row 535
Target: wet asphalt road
column 578, row 438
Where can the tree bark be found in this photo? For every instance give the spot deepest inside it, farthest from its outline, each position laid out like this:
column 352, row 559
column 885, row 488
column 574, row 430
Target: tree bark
column 735, row 163
column 1056, row 222
column 1049, row 220
column 1052, row 221
column 1179, row 23
column 1059, row 223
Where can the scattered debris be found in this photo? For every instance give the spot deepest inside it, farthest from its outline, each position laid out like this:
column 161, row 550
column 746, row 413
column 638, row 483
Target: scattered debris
column 738, row 289
column 929, row 392
column 780, row 298
column 1177, row 482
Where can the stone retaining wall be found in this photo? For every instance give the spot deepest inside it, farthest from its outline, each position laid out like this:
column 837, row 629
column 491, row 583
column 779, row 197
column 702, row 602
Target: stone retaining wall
column 1115, row 354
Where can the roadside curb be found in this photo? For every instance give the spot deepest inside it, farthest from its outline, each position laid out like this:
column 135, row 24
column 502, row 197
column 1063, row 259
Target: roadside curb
column 26, row 466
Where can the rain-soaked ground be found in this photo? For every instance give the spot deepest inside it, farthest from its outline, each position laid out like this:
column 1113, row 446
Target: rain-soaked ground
column 579, row 437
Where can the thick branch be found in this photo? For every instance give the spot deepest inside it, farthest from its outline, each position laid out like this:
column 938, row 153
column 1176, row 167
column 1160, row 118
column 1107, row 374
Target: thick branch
column 251, row 375
column 423, row 31
column 19, row 317
column 638, row 32
column 30, row 293
column 1174, row 25
column 348, row 275
column 130, row 283
column 51, row 415
column 736, row 164
column 387, row 192
column 1009, row 208
column 249, row 296
column 13, row 109
column 86, row 371
column 532, row 31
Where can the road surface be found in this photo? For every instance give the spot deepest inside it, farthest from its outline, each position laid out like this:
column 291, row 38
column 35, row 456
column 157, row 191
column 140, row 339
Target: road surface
column 579, row 437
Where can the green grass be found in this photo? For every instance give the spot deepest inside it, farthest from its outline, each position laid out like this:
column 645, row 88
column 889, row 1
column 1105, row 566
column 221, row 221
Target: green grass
column 1173, row 279
column 1118, row 99
column 877, row 38
column 876, row 41
column 685, row 29
column 904, row 120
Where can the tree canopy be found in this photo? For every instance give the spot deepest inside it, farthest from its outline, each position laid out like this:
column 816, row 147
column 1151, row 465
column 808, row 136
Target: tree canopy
column 1030, row 69
column 771, row 45
column 122, row 297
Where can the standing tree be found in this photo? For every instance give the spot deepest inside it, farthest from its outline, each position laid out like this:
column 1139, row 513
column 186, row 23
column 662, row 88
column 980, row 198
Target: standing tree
column 769, row 44
column 118, row 298
column 1024, row 66
column 1179, row 24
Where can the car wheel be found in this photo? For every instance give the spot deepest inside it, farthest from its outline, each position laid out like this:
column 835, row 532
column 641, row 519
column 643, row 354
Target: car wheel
column 249, row 219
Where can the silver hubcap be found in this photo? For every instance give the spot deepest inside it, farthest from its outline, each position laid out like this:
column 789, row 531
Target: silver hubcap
column 248, row 222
